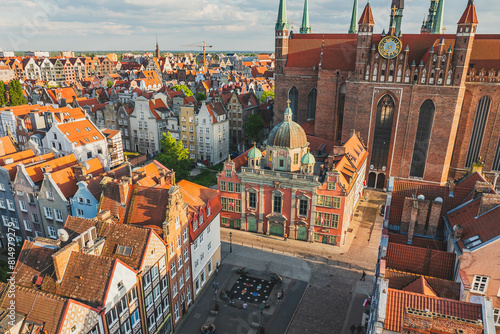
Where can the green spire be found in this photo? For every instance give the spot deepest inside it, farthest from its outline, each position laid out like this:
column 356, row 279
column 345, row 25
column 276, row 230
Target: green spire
column 305, row 28
column 438, row 21
column 354, row 19
column 282, row 22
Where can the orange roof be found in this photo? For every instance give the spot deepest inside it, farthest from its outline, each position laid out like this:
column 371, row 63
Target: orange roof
column 25, row 109
column 80, row 132
column 398, row 300
column 12, row 168
column 196, row 195
column 351, row 162
column 469, row 15
column 367, row 16
column 68, row 113
column 110, row 132
column 6, row 146
column 66, row 180
column 14, row 157
column 420, row 285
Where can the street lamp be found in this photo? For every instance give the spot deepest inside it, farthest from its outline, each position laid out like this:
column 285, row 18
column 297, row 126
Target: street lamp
column 230, row 242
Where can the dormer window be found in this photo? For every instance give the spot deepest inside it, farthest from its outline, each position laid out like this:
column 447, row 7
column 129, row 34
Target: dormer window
column 123, row 250
column 77, row 130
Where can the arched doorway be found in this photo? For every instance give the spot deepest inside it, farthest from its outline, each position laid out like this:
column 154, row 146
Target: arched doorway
column 381, row 181
column 301, row 232
column 372, row 177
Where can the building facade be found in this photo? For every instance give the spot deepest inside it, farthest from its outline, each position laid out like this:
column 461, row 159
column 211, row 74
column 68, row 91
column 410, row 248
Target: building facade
column 420, row 105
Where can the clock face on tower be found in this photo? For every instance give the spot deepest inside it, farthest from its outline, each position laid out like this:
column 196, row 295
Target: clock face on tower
column 389, row 47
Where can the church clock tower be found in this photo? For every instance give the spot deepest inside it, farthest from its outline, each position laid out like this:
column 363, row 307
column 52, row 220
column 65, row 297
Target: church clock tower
column 281, row 38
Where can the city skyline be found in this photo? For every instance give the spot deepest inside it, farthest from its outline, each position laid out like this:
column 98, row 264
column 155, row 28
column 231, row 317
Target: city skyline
column 225, row 24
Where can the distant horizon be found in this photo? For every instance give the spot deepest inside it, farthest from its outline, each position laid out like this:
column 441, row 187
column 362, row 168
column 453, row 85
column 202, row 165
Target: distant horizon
column 227, row 25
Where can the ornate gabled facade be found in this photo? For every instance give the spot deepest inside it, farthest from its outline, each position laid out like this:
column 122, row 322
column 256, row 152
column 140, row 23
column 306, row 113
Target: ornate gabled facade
column 285, row 191
column 425, row 103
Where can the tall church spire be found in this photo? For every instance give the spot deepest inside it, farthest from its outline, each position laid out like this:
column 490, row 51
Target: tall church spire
column 353, row 29
column 438, row 19
column 305, row 28
column 282, row 21
column 157, row 48
column 397, row 8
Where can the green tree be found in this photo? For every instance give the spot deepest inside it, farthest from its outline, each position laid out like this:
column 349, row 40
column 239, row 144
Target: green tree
column 201, row 96
column 174, row 156
column 3, row 99
column 109, row 84
column 254, row 128
column 16, row 96
column 266, row 94
column 184, row 88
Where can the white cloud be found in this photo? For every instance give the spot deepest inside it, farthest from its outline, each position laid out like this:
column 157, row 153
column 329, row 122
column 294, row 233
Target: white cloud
column 226, row 24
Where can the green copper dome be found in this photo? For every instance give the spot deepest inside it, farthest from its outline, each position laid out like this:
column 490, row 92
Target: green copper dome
column 308, row 159
column 254, row 153
column 287, row 133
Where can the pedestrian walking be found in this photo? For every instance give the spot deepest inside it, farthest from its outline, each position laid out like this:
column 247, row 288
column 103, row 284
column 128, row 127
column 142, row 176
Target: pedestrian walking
column 285, row 236
column 359, row 329
column 245, row 305
column 231, row 298
column 363, row 276
column 353, row 328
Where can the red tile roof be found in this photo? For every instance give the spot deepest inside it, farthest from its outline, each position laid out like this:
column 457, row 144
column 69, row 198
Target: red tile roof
column 367, row 16
column 6, row 146
column 401, row 280
column 80, row 132
column 398, row 300
column 403, row 189
column 39, row 307
column 485, row 226
column 418, row 242
column 469, row 15
column 15, row 157
column 308, row 127
column 36, row 173
column 421, row 261
column 12, row 168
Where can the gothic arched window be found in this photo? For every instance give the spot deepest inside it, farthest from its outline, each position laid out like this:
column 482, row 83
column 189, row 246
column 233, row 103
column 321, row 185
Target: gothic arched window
column 483, row 108
column 382, row 133
column 422, row 138
column 311, row 104
column 293, row 96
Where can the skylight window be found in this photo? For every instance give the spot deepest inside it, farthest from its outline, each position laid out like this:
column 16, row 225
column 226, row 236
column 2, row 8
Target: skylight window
column 472, row 241
column 67, row 133
column 77, row 130
column 87, row 128
column 95, row 137
column 123, row 250
column 87, row 140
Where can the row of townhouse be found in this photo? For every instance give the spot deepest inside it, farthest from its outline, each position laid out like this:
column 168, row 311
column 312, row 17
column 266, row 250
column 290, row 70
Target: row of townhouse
column 435, row 268
column 59, row 70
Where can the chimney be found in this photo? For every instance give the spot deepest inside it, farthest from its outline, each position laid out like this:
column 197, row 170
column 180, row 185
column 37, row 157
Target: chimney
column 123, row 188
column 338, row 150
column 488, row 202
column 60, row 259
column 47, row 169
column 79, row 172
column 435, row 215
column 409, row 217
column 481, row 188
column 457, row 232
column 162, row 177
column 104, row 216
column 352, row 133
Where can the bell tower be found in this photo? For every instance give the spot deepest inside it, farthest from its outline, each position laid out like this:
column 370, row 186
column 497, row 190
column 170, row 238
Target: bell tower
column 365, row 35
column 281, row 38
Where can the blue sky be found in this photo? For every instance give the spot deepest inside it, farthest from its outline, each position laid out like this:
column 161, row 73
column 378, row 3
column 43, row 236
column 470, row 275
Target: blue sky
column 225, row 24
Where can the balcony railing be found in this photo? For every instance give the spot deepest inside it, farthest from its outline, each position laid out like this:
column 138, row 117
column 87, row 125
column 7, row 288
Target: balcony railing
column 275, row 173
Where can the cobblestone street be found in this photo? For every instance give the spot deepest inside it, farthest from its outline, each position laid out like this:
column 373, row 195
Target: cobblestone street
column 332, row 272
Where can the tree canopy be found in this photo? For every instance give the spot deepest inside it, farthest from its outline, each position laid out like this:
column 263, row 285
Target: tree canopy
column 254, row 128
column 3, row 98
column 109, row 84
column 16, row 96
column 174, row 156
column 184, row 88
column 201, row 96
column 266, row 94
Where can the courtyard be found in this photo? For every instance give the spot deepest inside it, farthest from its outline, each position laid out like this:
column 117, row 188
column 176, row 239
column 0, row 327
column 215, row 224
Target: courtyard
column 322, row 291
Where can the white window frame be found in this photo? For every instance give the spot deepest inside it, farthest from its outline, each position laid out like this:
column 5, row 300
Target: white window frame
column 481, row 282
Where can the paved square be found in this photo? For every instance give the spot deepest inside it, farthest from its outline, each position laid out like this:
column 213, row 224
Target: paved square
column 251, row 290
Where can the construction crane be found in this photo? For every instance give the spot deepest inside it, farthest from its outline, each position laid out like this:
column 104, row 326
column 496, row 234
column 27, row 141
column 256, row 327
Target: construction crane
column 204, row 46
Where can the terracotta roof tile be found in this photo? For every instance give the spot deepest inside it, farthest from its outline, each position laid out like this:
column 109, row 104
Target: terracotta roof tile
column 40, row 307
column 6, row 146
column 401, row 280
column 421, row 261
column 15, row 157
column 80, row 132
column 398, row 300
column 469, row 15
column 36, row 173
column 12, row 168
column 418, row 241
column 35, row 260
